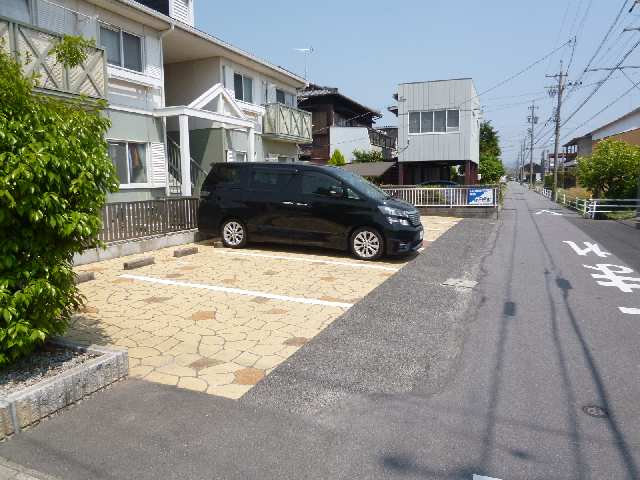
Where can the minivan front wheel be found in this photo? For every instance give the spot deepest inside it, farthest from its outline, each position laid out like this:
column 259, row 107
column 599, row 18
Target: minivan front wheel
column 366, row 244
column 234, row 235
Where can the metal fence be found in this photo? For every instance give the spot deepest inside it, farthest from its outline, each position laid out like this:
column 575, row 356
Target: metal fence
column 472, row 196
column 132, row 220
column 593, row 207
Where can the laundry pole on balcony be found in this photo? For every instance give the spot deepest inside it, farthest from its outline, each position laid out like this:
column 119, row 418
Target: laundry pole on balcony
column 185, row 156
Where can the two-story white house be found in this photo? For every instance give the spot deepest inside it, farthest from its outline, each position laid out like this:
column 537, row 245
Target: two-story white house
column 438, row 127
column 178, row 98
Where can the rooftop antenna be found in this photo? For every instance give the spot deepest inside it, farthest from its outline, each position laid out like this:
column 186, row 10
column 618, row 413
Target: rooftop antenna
column 306, row 52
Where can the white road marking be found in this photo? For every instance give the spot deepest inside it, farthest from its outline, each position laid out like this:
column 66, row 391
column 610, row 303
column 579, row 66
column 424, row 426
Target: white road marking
column 589, row 248
column 613, row 276
column 238, row 291
column 310, row 260
column 549, row 212
column 480, row 477
column 630, row 311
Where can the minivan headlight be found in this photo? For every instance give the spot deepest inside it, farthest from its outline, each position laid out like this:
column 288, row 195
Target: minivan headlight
column 395, row 215
column 393, row 212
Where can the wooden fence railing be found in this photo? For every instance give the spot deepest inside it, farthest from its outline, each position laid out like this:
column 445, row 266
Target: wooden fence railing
column 132, row 220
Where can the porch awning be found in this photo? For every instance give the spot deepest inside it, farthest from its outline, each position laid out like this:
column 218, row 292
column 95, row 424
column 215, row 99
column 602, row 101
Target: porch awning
column 369, row 169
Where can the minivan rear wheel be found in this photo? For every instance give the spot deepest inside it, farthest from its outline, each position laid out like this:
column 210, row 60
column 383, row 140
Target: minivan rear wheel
column 366, row 244
column 234, row 234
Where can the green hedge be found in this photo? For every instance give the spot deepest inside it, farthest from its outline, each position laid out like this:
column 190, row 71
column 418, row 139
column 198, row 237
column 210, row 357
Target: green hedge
column 54, row 176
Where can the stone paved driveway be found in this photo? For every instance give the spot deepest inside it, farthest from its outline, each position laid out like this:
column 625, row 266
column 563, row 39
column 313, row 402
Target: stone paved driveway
column 220, row 320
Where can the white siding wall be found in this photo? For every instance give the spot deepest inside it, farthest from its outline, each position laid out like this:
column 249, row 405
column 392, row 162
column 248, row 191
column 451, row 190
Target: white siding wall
column 448, row 94
column 348, row 139
column 182, row 10
column 632, row 122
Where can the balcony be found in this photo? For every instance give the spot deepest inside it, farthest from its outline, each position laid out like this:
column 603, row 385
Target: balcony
column 287, row 124
column 32, row 46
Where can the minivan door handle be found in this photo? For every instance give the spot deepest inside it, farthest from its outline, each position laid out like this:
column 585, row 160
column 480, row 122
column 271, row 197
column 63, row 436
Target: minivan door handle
column 288, row 203
column 302, row 204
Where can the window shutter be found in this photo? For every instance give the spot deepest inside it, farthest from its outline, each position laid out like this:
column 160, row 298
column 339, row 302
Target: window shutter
column 158, row 165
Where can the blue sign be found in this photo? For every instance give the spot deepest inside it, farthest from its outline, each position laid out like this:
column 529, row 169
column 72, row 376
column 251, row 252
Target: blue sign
column 480, row 196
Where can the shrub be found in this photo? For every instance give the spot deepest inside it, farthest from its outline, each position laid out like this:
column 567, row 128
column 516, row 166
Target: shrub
column 612, row 170
column 361, row 156
column 337, row 159
column 490, row 169
column 54, row 175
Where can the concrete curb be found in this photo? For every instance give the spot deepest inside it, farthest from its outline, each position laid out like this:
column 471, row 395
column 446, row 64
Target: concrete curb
column 13, row 471
column 27, row 407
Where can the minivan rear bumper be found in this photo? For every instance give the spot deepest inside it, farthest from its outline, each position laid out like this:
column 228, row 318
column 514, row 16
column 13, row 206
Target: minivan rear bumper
column 403, row 241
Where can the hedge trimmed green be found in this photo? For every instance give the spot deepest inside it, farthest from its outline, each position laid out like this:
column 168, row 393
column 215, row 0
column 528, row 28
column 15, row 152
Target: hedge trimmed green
column 54, row 176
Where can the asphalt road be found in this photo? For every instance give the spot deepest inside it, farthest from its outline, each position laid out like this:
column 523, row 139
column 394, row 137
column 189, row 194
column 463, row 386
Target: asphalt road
column 419, row 380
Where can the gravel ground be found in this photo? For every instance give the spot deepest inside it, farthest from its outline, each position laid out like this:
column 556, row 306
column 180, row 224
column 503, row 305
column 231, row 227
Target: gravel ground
column 45, row 362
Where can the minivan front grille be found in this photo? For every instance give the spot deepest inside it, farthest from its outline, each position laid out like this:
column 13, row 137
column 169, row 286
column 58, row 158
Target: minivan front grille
column 414, row 218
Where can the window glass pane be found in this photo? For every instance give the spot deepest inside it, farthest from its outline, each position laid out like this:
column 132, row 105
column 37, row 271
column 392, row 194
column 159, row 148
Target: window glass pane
column 138, row 162
column 440, row 121
column 427, row 122
column 279, row 96
column 414, row 122
column 270, row 180
column 248, row 89
column 237, row 85
column 290, row 100
column 118, row 154
column 110, row 41
column 224, row 174
column 132, row 52
column 241, row 157
column 319, row 184
column 453, row 120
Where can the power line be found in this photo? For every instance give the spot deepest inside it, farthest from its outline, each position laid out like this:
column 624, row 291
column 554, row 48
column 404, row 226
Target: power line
column 512, row 77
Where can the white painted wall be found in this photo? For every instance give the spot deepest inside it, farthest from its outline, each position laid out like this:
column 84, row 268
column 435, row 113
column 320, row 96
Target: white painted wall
column 631, row 122
column 348, row 139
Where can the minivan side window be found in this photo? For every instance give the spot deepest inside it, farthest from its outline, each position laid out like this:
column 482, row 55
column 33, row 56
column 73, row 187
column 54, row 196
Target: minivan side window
column 319, row 184
column 270, row 180
column 223, row 175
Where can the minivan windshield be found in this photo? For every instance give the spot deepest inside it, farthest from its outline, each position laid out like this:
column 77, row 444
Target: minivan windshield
column 361, row 185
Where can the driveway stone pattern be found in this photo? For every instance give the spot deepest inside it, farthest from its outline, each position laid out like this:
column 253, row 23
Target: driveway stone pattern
column 217, row 342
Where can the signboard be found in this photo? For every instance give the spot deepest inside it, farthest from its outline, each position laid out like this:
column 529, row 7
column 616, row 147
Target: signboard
column 480, row 196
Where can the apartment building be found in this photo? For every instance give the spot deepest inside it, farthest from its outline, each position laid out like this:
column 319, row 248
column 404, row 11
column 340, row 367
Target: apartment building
column 178, row 98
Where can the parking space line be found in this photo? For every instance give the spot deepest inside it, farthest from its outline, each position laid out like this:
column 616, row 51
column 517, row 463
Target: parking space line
column 310, row 260
column 238, row 291
column 630, row 311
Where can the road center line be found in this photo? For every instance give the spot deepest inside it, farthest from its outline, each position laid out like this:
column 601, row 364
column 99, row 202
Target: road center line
column 238, row 291
column 310, row 260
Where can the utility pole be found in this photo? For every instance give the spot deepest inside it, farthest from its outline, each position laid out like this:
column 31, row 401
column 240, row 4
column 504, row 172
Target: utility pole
column 532, row 120
column 557, row 90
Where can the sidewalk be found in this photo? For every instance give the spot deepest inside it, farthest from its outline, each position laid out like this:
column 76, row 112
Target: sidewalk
column 12, row 471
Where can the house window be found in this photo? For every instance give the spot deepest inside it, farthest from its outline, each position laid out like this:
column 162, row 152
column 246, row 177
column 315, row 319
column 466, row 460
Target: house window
column 130, row 160
column 285, row 98
column 243, row 86
column 233, row 156
column 123, row 49
column 434, row 121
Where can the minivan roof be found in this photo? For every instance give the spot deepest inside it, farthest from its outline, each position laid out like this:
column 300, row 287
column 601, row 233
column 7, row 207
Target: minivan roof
column 302, row 165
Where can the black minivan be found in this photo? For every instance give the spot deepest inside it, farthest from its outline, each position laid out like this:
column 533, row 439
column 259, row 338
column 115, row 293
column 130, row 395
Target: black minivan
column 306, row 204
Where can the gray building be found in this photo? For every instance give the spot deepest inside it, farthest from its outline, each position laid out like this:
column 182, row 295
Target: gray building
column 438, row 127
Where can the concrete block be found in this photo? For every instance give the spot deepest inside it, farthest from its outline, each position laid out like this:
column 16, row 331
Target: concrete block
column 29, row 406
column 82, row 277
column 141, row 262
column 183, row 252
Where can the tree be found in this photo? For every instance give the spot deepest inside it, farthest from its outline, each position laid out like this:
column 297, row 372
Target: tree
column 489, row 141
column 612, row 170
column 337, row 159
column 362, row 156
column 490, row 169
column 54, row 176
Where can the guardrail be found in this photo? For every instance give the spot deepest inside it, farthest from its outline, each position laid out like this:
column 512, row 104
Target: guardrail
column 592, row 207
column 133, row 220
column 471, row 196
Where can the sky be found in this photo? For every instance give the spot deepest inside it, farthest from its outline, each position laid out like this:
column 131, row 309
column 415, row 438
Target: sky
column 367, row 47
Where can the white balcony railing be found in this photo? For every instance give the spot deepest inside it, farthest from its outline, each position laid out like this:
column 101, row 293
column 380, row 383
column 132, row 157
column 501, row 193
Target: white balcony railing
column 31, row 45
column 287, row 123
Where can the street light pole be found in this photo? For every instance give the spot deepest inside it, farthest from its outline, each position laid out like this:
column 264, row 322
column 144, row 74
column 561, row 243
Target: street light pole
column 559, row 91
column 532, row 120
